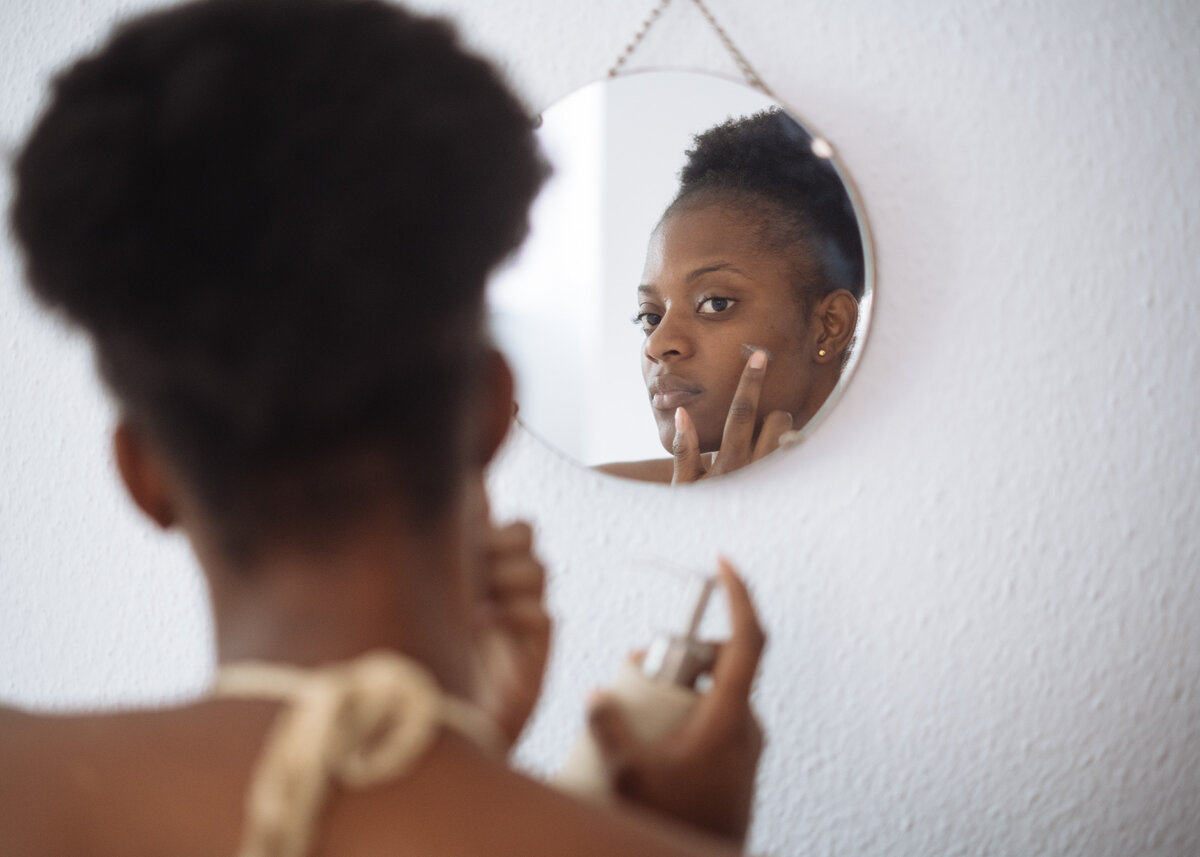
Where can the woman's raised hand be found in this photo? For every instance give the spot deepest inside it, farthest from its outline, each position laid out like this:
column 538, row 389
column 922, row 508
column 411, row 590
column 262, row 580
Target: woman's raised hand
column 703, row 772
column 514, row 628
column 738, row 444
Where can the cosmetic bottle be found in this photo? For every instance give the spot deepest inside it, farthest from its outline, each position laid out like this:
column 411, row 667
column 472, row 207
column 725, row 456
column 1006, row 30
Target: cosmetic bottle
column 655, row 695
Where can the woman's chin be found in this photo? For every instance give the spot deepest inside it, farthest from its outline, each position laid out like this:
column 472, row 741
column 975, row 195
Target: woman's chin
column 710, row 437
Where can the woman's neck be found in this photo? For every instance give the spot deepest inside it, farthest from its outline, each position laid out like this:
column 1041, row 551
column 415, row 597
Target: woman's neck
column 381, row 585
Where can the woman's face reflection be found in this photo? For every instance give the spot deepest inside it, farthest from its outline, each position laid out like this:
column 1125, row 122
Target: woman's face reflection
column 711, row 287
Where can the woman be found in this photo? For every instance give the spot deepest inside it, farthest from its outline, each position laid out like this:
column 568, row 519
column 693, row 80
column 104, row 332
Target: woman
column 749, row 298
column 274, row 219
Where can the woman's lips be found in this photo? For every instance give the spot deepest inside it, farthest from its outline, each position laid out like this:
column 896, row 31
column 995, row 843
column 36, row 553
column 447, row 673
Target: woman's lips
column 668, row 393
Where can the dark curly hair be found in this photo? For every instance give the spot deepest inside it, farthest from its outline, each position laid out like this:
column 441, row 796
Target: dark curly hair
column 765, row 163
column 276, row 219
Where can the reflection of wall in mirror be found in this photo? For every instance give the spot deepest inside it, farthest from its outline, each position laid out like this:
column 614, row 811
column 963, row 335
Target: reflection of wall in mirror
column 541, row 303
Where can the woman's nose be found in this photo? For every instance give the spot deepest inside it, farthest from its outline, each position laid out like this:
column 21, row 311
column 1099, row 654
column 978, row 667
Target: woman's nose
column 670, row 339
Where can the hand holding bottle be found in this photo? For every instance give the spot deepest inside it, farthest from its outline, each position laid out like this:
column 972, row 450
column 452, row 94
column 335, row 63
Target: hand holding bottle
column 702, row 770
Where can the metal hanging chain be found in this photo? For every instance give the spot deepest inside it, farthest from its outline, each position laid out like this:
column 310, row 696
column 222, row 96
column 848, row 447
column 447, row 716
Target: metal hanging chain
column 651, row 19
column 742, row 63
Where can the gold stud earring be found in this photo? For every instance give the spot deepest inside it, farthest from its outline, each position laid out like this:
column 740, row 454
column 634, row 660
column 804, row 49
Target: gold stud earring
column 821, row 353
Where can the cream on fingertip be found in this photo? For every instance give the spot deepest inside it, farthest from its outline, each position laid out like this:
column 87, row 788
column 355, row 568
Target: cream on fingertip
column 790, row 438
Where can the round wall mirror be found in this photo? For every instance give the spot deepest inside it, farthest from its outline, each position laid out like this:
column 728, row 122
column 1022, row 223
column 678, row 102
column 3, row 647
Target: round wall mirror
column 690, row 223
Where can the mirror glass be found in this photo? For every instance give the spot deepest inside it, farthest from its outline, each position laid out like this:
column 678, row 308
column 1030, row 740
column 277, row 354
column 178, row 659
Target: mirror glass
column 635, row 295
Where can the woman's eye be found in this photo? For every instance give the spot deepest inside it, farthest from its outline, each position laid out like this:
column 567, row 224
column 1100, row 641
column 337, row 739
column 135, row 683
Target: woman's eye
column 712, row 306
column 647, row 321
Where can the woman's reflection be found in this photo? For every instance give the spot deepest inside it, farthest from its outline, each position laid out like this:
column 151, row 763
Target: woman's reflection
column 749, row 298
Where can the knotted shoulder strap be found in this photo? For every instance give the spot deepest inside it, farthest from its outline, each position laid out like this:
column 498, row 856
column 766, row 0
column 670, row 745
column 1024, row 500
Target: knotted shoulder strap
column 362, row 722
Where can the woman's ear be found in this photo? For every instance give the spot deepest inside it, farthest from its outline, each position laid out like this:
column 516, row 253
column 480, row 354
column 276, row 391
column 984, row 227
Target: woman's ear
column 144, row 474
column 498, row 405
column 834, row 320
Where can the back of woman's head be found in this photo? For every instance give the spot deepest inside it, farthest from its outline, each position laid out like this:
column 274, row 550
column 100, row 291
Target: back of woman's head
column 765, row 164
column 276, row 218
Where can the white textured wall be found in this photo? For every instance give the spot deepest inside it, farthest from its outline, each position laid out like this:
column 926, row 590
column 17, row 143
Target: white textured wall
column 980, row 575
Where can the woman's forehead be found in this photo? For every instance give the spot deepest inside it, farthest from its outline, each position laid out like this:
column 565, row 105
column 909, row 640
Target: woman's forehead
column 714, row 237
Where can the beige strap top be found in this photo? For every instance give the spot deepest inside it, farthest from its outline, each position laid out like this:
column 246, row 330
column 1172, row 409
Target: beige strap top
column 361, row 722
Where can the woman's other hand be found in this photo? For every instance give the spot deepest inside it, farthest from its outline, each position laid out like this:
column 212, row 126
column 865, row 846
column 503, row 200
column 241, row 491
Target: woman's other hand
column 739, row 446
column 703, row 772
column 515, row 629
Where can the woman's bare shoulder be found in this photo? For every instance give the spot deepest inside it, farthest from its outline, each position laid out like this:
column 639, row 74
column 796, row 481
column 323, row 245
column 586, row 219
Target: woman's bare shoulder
column 653, row 470
column 31, row 804
column 117, row 776
column 509, row 813
column 34, row 789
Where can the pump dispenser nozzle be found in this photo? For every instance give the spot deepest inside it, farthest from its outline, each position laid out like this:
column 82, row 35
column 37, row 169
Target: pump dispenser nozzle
column 681, row 660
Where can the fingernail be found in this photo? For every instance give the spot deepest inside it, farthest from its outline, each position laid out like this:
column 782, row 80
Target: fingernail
column 679, row 420
column 758, row 360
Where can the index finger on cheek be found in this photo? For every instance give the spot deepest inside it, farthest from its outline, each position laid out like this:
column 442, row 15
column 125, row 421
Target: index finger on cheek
column 738, row 436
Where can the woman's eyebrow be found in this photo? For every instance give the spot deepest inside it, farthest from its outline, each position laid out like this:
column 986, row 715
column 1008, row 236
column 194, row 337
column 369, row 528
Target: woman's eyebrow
column 717, row 266
column 649, row 288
